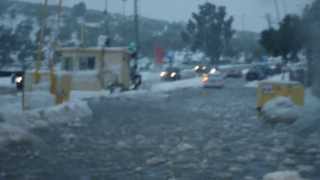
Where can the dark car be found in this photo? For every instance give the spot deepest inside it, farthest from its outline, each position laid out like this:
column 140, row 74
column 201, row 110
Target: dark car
column 234, row 73
column 256, row 73
column 267, row 70
column 170, row 74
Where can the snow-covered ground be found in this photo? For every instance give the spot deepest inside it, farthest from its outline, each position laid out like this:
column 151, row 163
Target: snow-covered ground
column 16, row 125
column 6, row 82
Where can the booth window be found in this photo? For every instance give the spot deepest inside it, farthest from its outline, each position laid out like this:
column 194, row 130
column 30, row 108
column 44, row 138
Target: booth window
column 67, row 65
column 87, row 63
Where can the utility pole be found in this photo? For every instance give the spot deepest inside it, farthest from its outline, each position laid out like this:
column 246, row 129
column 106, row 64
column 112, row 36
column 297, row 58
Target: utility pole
column 106, row 11
column 269, row 21
column 124, row 7
column 276, row 4
column 285, row 6
column 44, row 15
column 136, row 24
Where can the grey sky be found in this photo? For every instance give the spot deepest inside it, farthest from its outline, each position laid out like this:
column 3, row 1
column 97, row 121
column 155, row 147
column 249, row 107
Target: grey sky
column 249, row 14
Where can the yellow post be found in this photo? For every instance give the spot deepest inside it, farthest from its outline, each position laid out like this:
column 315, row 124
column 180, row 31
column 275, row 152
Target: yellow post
column 53, row 79
column 37, row 75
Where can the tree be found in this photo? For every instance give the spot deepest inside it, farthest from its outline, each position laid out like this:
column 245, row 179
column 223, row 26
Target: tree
column 25, row 46
column 79, row 9
column 286, row 41
column 7, row 45
column 209, row 30
column 270, row 41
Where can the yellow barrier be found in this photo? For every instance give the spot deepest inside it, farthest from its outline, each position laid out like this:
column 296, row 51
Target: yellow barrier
column 63, row 89
column 268, row 90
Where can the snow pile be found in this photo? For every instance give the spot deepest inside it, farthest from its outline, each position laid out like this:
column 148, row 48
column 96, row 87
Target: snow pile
column 280, row 110
column 17, row 126
column 252, row 84
column 283, row 175
column 39, row 99
column 6, row 82
column 280, row 78
column 9, row 134
column 310, row 117
column 170, row 86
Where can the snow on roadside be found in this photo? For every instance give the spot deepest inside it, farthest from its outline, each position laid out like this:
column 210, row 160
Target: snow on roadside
column 275, row 78
column 16, row 126
column 281, row 110
column 6, row 82
column 283, row 175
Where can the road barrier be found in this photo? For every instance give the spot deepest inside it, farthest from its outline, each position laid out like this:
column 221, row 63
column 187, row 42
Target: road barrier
column 268, row 90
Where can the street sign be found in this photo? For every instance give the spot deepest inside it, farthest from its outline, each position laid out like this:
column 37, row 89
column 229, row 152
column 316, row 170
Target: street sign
column 132, row 48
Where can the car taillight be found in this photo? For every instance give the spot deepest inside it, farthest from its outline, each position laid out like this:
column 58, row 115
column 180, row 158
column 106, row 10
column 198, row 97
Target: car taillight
column 205, row 79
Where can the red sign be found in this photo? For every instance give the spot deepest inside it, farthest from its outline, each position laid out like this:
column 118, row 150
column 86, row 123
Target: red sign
column 159, row 54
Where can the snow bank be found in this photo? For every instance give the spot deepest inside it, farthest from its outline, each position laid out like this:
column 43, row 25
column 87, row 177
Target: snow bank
column 6, row 82
column 283, row 175
column 17, row 126
column 281, row 78
column 39, row 99
column 9, row 134
column 252, row 84
column 309, row 123
column 280, row 110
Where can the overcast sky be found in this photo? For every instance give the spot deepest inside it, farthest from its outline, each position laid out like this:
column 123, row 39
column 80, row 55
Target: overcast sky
column 249, row 14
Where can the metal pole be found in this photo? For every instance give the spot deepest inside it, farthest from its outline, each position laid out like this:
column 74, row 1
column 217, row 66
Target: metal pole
column 106, row 11
column 136, row 24
column 44, row 15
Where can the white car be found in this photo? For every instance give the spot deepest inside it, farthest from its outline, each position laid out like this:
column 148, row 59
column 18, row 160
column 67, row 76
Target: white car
column 213, row 80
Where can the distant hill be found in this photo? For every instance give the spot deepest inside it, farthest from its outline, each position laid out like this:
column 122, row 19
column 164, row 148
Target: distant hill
column 20, row 25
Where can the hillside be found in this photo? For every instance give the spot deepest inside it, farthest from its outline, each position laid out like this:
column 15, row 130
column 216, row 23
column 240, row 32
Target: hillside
column 20, row 25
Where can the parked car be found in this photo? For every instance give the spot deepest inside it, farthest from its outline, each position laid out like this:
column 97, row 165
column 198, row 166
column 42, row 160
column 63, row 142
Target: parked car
column 170, row 74
column 213, row 80
column 276, row 69
column 256, row 73
column 234, row 73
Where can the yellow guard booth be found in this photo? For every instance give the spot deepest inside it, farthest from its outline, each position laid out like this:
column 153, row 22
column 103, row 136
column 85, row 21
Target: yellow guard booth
column 95, row 69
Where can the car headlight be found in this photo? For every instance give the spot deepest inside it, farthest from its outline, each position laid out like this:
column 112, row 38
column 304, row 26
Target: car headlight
column 173, row 74
column 204, row 68
column 213, row 70
column 196, row 68
column 18, row 79
column 162, row 74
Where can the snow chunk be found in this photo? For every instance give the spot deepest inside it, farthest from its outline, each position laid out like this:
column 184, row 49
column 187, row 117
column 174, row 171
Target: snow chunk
column 283, row 175
column 280, row 110
column 9, row 133
column 170, row 86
